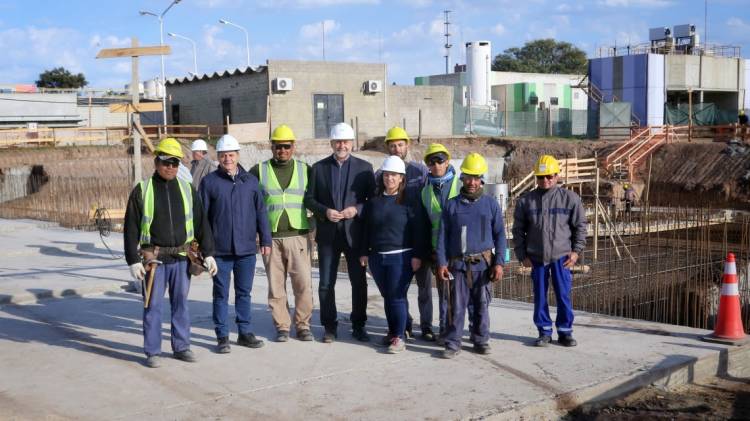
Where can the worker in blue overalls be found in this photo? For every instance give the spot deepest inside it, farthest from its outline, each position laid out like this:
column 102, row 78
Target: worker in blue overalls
column 549, row 234
column 470, row 250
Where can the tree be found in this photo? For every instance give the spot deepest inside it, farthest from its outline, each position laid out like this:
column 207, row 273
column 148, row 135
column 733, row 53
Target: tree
column 542, row 56
column 61, row 78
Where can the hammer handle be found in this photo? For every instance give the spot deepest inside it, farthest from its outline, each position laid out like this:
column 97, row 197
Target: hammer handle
column 149, row 285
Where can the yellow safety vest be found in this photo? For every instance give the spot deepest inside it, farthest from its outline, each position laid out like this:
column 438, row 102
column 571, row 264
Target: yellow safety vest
column 147, row 193
column 290, row 199
column 432, row 204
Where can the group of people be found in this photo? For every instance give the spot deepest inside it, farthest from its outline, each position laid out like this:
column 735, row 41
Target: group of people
column 407, row 220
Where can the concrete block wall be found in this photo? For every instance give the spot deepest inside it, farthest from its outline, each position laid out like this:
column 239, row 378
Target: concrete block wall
column 436, row 103
column 101, row 117
column 703, row 72
column 295, row 107
column 200, row 100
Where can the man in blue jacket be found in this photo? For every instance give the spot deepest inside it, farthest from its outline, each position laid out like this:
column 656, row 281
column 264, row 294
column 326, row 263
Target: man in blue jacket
column 470, row 250
column 237, row 214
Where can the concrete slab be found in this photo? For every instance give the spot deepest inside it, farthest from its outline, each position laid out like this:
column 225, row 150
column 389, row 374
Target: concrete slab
column 81, row 358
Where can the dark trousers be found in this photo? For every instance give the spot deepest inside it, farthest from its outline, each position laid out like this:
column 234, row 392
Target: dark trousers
column 176, row 277
column 460, row 296
column 424, row 297
column 243, row 268
column 562, row 281
column 328, row 263
column 393, row 273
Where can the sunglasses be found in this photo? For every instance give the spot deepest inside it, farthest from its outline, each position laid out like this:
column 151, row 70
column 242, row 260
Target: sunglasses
column 285, row 147
column 174, row 163
column 548, row 177
column 436, row 161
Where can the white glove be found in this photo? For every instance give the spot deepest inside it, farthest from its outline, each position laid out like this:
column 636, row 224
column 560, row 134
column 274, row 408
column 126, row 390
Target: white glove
column 137, row 271
column 211, row 265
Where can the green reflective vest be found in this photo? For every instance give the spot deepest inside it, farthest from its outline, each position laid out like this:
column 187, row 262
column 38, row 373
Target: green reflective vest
column 290, row 199
column 147, row 194
column 432, row 204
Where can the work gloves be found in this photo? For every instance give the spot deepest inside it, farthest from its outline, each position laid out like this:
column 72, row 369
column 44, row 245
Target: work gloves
column 211, row 265
column 137, row 271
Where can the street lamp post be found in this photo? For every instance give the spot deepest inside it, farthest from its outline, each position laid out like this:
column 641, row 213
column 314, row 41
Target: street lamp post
column 161, row 42
column 247, row 37
column 195, row 55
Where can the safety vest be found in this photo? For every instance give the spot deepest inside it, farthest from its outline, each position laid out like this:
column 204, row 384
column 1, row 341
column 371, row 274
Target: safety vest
column 432, row 204
column 290, row 199
column 147, row 194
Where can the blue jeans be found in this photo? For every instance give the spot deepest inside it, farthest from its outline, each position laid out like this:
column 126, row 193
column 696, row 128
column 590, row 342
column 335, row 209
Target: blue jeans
column 393, row 273
column 176, row 277
column 562, row 281
column 243, row 268
column 475, row 301
column 328, row 263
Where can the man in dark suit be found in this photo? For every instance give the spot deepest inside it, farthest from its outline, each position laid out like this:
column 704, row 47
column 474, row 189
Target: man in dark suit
column 339, row 187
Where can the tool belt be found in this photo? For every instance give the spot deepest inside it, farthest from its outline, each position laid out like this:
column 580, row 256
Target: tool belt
column 472, row 259
column 194, row 255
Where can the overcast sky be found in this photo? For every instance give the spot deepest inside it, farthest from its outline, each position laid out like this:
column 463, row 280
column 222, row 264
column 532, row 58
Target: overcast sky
column 407, row 35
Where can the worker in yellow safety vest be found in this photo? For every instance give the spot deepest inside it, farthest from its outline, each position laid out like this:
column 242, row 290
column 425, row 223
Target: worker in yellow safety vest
column 283, row 181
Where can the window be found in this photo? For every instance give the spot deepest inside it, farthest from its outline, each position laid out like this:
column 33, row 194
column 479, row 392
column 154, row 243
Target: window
column 226, row 110
column 553, row 100
column 175, row 113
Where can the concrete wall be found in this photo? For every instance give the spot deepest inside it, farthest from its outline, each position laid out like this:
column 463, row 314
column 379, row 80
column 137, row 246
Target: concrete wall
column 38, row 108
column 101, row 117
column 436, row 103
column 295, row 107
column 702, row 72
column 745, row 94
column 250, row 132
column 200, row 100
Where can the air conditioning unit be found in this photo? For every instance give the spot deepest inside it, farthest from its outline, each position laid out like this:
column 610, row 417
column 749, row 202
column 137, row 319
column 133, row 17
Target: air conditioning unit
column 373, row 86
column 283, row 84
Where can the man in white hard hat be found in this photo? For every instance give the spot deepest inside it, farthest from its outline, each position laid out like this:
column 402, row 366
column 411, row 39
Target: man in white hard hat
column 201, row 165
column 339, row 187
column 237, row 214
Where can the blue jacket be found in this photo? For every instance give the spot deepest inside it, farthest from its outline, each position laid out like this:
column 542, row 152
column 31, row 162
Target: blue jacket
column 485, row 230
column 236, row 212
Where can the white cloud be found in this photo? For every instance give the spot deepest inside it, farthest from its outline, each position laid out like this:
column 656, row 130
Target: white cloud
column 738, row 24
column 636, row 3
column 315, row 30
column 498, row 29
column 308, row 4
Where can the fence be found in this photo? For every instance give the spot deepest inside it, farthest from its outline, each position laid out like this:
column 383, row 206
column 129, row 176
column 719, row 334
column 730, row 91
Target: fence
column 51, row 136
column 704, row 114
column 484, row 121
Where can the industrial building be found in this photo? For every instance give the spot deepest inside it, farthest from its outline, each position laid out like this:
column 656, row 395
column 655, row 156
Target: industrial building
column 311, row 97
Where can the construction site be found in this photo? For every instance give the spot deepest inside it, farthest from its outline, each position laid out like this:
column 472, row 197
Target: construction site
column 651, row 271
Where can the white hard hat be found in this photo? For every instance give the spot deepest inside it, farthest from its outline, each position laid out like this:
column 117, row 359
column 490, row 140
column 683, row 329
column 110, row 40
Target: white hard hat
column 394, row 164
column 342, row 131
column 227, row 143
column 199, row 145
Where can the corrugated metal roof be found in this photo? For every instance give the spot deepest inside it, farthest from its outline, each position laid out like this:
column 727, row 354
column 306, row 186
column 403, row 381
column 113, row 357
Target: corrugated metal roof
column 217, row 75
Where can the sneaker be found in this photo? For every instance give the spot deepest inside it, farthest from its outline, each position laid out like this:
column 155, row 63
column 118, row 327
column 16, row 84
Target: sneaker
column 282, row 336
column 223, row 346
column 566, row 340
column 329, row 337
column 543, row 340
column 186, row 355
column 249, row 340
column 360, row 334
column 482, row 349
column 397, row 345
column 386, row 340
column 428, row 335
column 450, row 353
column 305, row 335
column 153, row 361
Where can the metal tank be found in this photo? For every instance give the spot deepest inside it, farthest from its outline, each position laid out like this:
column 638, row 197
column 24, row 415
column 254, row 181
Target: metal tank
column 478, row 68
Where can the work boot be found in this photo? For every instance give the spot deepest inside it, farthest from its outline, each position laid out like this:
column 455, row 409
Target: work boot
column 450, row 353
column 223, row 346
column 153, row 361
column 566, row 340
column 249, row 340
column 329, row 337
column 409, row 331
column 186, row 355
column 360, row 334
column 543, row 340
column 482, row 349
column 305, row 335
column 428, row 335
column 397, row 345
column 282, row 336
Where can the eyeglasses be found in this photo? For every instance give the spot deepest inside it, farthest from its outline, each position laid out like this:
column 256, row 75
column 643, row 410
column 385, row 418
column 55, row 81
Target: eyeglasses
column 285, row 147
column 436, row 161
column 174, row 163
column 548, row 177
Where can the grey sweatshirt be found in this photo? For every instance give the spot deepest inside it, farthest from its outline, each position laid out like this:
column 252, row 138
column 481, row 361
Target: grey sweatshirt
column 200, row 169
column 548, row 224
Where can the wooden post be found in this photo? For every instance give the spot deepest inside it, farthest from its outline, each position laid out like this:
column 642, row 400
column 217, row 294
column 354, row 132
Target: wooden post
column 404, row 123
column 419, row 136
column 54, row 138
column 89, row 108
column 596, row 216
column 135, row 116
column 690, row 114
column 226, row 119
column 356, row 130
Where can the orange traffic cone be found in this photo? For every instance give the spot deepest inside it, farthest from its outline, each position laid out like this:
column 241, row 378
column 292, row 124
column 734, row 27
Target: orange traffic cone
column 729, row 329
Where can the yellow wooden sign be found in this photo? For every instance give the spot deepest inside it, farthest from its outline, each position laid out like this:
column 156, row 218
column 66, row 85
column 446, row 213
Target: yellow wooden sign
column 157, row 50
column 143, row 107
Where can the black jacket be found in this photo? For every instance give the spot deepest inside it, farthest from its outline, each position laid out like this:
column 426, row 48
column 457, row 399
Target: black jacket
column 168, row 226
column 359, row 187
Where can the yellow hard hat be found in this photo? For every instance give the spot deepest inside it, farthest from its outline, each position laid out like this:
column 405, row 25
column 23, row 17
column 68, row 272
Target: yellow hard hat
column 546, row 165
column 433, row 149
column 396, row 133
column 169, row 146
column 283, row 133
column 474, row 164
column 742, row 112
